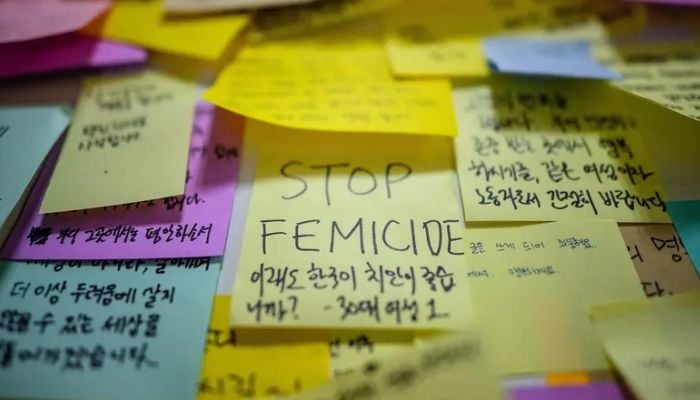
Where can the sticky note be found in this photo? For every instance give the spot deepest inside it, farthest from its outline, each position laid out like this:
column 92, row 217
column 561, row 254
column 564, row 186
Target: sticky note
column 27, row 134
column 350, row 351
column 231, row 370
column 661, row 259
column 127, row 142
column 191, row 225
column 65, row 52
column 343, row 86
column 595, row 390
column 22, row 20
column 345, row 231
column 104, row 329
column 450, row 366
column 653, row 343
column 145, row 23
column 686, row 218
column 546, row 150
column 544, row 57
column 201, row 6
column 531, row 286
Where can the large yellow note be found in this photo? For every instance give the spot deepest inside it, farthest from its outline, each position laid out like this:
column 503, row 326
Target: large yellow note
column 352, row 350
column 654, row 344
column 340, row 85
column 546, row 150
column 236, row 371
column 128, row 142
column 531, row 287
column 143, row 22
column 351, row 231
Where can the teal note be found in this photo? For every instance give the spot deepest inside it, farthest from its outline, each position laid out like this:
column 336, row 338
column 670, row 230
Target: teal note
column 26, row 136
column 686, row 218
column 104, row 330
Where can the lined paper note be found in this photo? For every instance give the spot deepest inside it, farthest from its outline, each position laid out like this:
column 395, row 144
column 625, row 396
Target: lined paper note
column 90, row 329
column 194, row 224
column 654, row 345
column 127, row 143
column 549, row 150
column 345, row 231
column 531, row 286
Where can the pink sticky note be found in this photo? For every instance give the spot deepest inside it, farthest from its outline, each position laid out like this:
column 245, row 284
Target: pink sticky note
column 32, row 19
column 192, row 225
column 65, row 52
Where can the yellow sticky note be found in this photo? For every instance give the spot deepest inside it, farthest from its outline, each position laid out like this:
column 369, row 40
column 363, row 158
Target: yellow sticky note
column 448, row 368
column 144, row 23
column 233, row 371
column 654, row 344
column 339, row 86
column 352, row 350
column 546, row 150
column 128, row 142
column 347, row 231
column 532, row 285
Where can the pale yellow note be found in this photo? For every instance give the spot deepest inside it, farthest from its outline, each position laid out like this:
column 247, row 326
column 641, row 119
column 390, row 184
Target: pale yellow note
column 342, row 85
column 236, row 371
column 128, row 142
column 654, row 344
column 531, row 287
column 546, row 150
column 144, row 23
column 450, row 368
column 351, row 350
column 351, row 231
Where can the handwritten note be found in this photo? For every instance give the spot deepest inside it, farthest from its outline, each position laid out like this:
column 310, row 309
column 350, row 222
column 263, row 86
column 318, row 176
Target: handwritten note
column 660, row 258
column 550, row 150
column 199, row 6
column 22, row 20
column 144, row 23
column 450, row 367
column 544, row 57
column 341, row 86
column 90, row 329
column 654, row 344
column 232, row 370
column 531, row 286
column 191, row 225
column 64, row 52
column 345, row 231
column 350, row 351
column 127, row 143
column 686, row 218
column 26, row 137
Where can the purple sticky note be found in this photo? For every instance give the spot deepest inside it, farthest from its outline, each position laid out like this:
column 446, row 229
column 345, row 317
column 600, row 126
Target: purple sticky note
column 65, row 52
column 191, row 225
column 591, row 391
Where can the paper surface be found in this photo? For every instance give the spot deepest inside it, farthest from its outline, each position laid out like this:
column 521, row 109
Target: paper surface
column 27, row 134
column 345, row 231
column 654, row 344
column 192, row 225
column 144, row 23
column 65, row 52
column 450, row 367
column 546, row 150
column 197, row 6
column 531, row 287
column 544, row 57
column 32, row 19
column 596, row 390
column 686, row 218
column 660, row 258
column 127, row 142
column 342, row 86
column 95, row 328
column 231, row 370
column 350, row 351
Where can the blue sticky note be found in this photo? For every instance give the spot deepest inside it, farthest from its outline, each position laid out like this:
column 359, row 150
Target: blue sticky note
column 544, row 57
column 108, row 330
column 26, row 136
column 686, row 218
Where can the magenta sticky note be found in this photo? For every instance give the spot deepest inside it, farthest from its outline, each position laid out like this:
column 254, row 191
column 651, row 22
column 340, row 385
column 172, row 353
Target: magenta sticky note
column 591, row 391
column 32, row 19
column 65, row 52
column 191, row 225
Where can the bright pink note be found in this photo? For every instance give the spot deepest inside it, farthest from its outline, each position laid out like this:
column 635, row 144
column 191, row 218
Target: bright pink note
column 65, row 52
column 192, row 225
